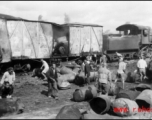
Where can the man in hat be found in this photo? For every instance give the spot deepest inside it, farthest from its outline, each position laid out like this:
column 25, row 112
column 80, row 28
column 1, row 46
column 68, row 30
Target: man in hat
column 52, row 81
column 7, row 83
column 104, row 76
column 142, row 66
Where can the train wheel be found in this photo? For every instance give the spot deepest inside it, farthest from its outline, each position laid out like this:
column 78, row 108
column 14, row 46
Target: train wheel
column 147, row 51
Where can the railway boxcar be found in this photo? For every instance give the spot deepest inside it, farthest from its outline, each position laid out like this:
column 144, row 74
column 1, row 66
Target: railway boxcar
column 22, row 39
column 85, row 39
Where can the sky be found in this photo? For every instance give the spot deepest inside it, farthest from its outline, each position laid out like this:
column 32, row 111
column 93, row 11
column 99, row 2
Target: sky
column 109, row 14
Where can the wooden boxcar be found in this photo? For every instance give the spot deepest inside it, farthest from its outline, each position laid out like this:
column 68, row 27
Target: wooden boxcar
column 22, row 39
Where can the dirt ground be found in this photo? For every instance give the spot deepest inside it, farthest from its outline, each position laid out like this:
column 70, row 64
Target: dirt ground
column 33, row 93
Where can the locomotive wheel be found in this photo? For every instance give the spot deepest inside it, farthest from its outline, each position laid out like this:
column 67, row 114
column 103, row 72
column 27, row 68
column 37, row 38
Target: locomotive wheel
column 147, row 51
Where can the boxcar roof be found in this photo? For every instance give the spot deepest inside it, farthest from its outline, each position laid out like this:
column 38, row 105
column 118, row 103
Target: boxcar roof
column 82, row 24
column 9, row 18
column 131, row 27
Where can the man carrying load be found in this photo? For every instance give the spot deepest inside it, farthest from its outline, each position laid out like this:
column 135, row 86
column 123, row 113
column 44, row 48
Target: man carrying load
column 46, row 68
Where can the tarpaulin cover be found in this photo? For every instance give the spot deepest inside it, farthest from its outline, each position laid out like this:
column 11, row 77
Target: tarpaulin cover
column 5, row 49
column 30, row 39
column 85, row 39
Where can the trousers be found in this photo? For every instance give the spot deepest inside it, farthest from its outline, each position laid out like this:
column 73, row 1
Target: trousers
column 52, row 88
column 4, row 91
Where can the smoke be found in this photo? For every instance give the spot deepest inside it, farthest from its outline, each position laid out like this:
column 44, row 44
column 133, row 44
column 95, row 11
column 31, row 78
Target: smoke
column 127, row 23
column 40, row 18
column 66, row 18
column 107, row 32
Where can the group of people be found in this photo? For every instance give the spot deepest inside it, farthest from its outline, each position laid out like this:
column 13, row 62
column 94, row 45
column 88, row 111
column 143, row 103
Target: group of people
column 104, row 74
column 50, row 74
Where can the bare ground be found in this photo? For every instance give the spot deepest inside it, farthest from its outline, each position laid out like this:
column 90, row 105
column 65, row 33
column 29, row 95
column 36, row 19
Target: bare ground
column 33, row 94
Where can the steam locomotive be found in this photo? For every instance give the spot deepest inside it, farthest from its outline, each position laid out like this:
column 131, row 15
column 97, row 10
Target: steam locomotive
column 131, row 41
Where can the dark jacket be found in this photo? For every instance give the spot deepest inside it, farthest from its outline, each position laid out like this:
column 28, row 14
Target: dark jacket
column 87, row 69
column 94, row 58
column 51, row 74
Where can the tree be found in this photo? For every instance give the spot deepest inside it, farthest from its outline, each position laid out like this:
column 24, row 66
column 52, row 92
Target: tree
column 66, row 18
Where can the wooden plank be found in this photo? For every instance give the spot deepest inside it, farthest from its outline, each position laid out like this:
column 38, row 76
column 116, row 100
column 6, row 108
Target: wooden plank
column 42, row 40
column 43, row 48
column 28, row 49
column 85, row 39
column 75, row 40
column 16, row 39
column 97, row 39
column 48, row 32
column 32, row 29
column 5, row 50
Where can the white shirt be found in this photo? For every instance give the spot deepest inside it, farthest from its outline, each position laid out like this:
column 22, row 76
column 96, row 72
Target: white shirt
column 8, row 78
column 82, row 66
column 104, row 75
column 141, row 64
column 122, row 67
column 118, row 54
column 46, row 66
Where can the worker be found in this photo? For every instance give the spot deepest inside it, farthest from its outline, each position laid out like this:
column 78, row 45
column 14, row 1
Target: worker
column 142, row 66
column 94, row 58
column 121, row 71
column 46, row 68
column 103, row 58
column 87, row 72
column 149, row 69
column 26, row 68
column 52, row 81
column 104, row 76
column 7, row 83
column 82, row 66
column 120, row 56
column 87, row 60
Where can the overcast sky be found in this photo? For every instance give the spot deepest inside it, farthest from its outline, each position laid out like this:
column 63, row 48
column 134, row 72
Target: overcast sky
column 110, row 14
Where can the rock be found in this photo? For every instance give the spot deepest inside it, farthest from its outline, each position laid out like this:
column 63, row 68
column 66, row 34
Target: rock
column 66, row 70
column 66, row 77
column 142, row 87
column 10, row 106
column 69, row 112
column 128, row 94
column 144, row 99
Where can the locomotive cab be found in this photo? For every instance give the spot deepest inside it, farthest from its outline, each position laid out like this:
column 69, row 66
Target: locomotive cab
column 132, row 30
